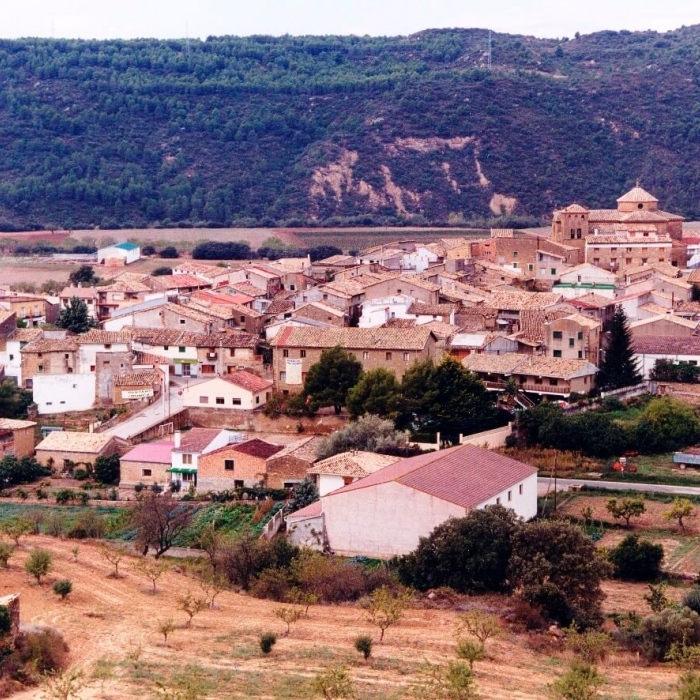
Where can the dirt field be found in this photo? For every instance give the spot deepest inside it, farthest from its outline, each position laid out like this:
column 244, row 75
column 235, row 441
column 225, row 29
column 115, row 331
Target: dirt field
column 108, row 618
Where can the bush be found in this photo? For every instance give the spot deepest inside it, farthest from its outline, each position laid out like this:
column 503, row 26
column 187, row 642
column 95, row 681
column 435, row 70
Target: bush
column 80, row 474
column 87, row 525
column 330, row 580
column 63, row 588
column 528, row 615
column 43, row 649
column 273, row 584
column 363, row 644
column 267, row 641
column 6, row 551
column 162, row 271
column 38, row 563
column 671, row 626
column 636, row 561
column 689, row 686
column 219, row 250
column 580, row 682
column 148, row 250
column 692, row 599
column 169, row 252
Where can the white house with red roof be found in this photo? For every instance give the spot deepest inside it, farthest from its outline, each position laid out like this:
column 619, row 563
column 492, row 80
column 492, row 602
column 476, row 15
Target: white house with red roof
column 241, row 390
column 386, row 513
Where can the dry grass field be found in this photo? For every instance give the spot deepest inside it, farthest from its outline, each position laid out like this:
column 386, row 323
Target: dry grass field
column 109, row 619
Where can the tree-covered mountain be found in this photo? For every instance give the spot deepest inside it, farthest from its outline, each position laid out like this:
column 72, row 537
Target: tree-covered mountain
column 261, row 130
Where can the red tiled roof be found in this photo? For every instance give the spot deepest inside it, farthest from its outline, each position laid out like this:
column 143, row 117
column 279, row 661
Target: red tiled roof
column 257, row 448
column 466, row 475
column 153, row 452
column 248, row 381
column 196, row 440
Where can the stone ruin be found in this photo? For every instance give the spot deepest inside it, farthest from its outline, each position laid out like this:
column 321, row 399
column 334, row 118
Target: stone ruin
column 11, row 602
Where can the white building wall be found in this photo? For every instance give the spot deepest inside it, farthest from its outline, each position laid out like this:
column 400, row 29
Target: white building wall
column 328, row 483
column 12, row 360
column 646, row 363
column 389, row 519
column 378, row 311
column 60, row 393
column 223, row 389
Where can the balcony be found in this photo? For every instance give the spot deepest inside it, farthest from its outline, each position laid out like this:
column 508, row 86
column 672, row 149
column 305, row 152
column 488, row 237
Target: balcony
column 559, row 390
column 495, row 386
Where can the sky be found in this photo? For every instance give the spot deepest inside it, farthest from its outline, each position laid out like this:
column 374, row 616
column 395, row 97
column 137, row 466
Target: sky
column 128, row 19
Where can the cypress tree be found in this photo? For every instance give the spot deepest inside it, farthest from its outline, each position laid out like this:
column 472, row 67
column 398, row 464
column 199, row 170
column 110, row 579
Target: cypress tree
column 619, row 368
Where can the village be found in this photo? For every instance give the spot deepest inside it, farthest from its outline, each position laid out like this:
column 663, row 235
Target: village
column 290, row 390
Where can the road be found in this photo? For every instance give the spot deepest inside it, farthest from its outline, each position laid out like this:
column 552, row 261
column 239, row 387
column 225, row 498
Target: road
column 155, row 413
column 545, row 483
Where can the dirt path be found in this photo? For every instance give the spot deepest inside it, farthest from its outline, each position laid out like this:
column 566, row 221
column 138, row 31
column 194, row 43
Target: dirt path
column 105, row 618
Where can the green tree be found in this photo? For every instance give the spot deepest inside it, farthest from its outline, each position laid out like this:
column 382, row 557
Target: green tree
column 305, row 493
column 369, row 434
column 681, row 508
column 75, row 317
column 469, row 554
column 454, row 681
column 331, row 378
column 106, row 469
column 38, row 563
column 13, row 400
column 63, row 588
column 636, row 561
column 689, row 682
column 334, row 683
column 377, row 393
column 667, row 424
column 619, row 368
column 625, row 508
column 85, row 274
column 419, row 393
column 385, row 608
column 558, row 568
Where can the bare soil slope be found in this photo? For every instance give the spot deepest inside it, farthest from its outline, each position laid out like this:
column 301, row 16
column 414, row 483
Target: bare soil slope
column 107, row 618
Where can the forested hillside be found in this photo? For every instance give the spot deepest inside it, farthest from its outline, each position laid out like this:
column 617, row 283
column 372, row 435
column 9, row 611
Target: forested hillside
column 344, row 130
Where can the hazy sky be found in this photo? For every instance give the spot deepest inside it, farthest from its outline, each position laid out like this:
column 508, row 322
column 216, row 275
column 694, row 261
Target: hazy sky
column 127, row 19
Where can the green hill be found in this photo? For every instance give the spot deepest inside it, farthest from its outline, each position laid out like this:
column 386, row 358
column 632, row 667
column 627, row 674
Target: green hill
column 344, row 130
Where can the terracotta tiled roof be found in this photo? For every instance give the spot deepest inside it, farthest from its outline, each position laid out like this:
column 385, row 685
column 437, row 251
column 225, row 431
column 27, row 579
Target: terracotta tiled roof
column 304, row 449
column 493, row 364
column 637, row 194
column 200, row 315
column 144, row 378
column 196, row 440
column 513, row 363
column 354, row 463
column 52, row 345
column 26, row 335
column 123, row 286
column 279, row 306
column 642, row 215
column 66, row 441
column 322, row 306
column 592, row 301
column 694, row 277
column 14, row 424
column 338, row 260
column 248, row 289
column 79, row 292
column 248, row 381
column 166, row 337
column 196, row 268
column 466, row 476
column 353, row 338
column 574, row 209
column 98, row 337
column 255, row 448
column 517, row 301
column 670, row 318
column 666, row 345
column 431, row 309
column 441, row 330
column 184, row 281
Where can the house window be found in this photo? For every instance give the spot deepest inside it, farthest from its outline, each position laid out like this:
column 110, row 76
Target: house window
column 108, row 346
column 553, row 382
column 257, row 399
column 283, row 376
column 242, row 319
column 557, row 335
column 515, row 265
column 49, row 403
column 628, row 261
column 557, row 353
column 229, row 465
column 510, row 495
column 40, row 368
column 520, row 490
column 580, row 354
column 302, row 353
column 187, row 459
column 166, row 347
column 530, row 267
column 12, row 357
column 515, row 253
column 388, row 356
column 220, row 401
column 365, row 355
column 580, row 335
column 285, row 353
column 571, row 342
column 236, row 402
column 498, row 501
column 203, row 399
column 406, row 356
column 146, row 472
column 238, row 484
column 181, row 349
column 596, row 261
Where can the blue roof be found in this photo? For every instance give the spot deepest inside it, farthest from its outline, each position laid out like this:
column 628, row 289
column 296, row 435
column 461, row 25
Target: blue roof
column 125, row 246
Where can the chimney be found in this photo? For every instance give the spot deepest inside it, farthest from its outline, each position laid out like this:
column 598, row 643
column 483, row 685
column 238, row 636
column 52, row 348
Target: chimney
column 177, row 436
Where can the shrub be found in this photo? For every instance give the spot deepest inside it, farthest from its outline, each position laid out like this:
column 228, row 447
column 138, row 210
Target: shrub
column 528, row 615
column 689, row 686
column 38, row 563
column 331, row 580
column 63, row 588
column 273, row 584
column 363, row 644
column 334, row 683
column 591, row 647
column 267, row 641
column 659, row 633
column 385, row 608
column 636, row 561
column 289, row 616
column 6, row 551
column 43, row 649
column 148, row 250
column 692, row 599
column 55, row 524
column 580, row 682
column 162, row 271
column 87, row 524
column 169, row 252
